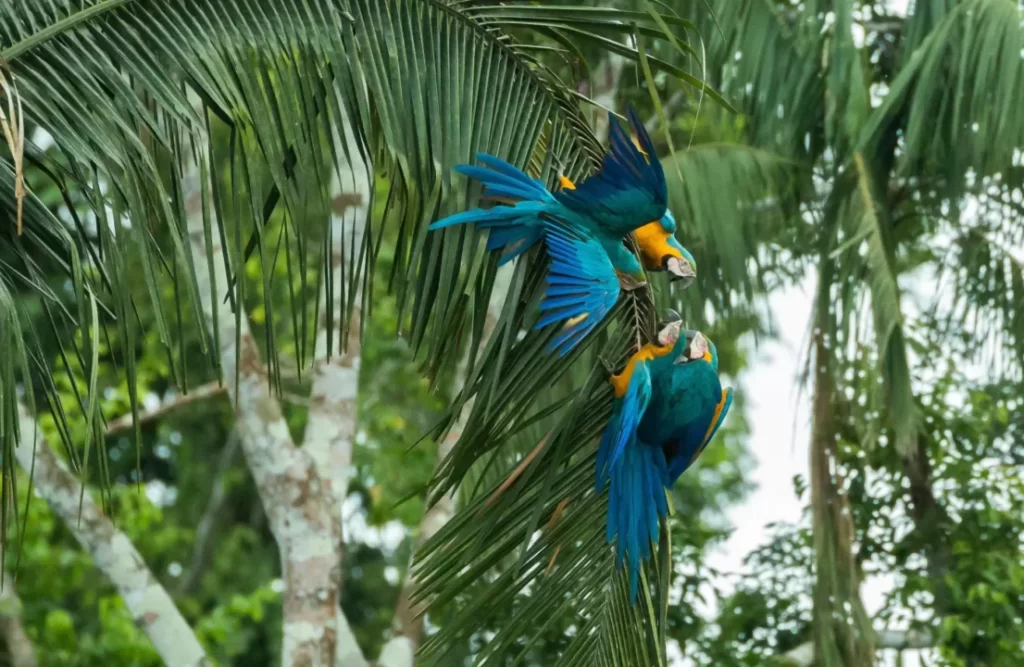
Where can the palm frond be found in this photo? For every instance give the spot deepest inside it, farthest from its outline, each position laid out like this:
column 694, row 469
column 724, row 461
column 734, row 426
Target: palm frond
column 734, row 206
column 768, row 65
column 532, row 549
column 865, row 248
column 985, row 273
column 424, row 85
column 141, row 98
column 959, row 93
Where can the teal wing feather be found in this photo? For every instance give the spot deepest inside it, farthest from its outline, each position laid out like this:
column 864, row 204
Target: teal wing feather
column 582, row 285
column 636, row 475
column 629, row 191
column 682, row 409
column 626, row 415
column 513, row 229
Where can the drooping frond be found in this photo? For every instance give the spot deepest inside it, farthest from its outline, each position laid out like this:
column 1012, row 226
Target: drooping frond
column 530, row 549
column 768, row 65
column 734, row 205
column 135, row 97
column 867, row 232
column 958, row 94
column 984, row 273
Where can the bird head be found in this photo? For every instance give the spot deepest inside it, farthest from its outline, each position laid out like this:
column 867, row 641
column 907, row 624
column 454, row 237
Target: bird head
column 669, row 328
column 660, row 250
column 696, row 347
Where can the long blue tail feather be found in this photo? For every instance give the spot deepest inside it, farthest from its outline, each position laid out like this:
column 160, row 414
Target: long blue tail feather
column 636, row 502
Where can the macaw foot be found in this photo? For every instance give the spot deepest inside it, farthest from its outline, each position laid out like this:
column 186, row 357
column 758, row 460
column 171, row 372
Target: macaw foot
column 629, row 283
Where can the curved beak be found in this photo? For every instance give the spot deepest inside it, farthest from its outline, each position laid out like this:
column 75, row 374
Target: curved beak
column 680, row 269
column 696, row 348
column 669, row 328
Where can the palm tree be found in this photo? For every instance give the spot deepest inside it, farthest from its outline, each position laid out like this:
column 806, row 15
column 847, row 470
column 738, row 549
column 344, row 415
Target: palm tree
column 910, row 145
column 316, row 96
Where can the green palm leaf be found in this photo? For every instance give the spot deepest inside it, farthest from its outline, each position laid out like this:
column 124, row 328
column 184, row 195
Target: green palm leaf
column 140, row 97
column 959, row 93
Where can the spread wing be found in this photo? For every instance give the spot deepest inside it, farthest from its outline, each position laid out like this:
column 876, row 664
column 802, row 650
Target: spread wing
column 629, row 191
column 582, row 285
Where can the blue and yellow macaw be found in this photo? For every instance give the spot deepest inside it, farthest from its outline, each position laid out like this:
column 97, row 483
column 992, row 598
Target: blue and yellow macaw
column 583, row 227
column 668, row 406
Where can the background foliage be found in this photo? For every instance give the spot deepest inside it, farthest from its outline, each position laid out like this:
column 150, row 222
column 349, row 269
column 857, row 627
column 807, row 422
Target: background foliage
column 877, row 149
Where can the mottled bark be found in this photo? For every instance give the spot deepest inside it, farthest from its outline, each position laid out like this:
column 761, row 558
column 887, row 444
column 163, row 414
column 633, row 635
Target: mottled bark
column 111, row 550
column 295, row 498
column 20, row 650
column 331, row 425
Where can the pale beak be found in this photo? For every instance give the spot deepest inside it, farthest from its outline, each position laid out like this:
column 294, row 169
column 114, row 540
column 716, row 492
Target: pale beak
column 695, row 349
column 680, row 270
column 669, row 333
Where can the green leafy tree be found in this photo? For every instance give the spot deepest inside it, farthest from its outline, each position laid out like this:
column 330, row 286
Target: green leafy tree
column 201, row 155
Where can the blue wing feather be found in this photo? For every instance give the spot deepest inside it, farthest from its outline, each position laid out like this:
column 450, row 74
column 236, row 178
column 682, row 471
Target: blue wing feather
column 582, row 285
column 514, row 229
column 629, row 191
column 636, row 474
column 626, row 415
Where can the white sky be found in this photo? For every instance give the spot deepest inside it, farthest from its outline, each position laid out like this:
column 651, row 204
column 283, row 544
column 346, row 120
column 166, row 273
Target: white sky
column 779, row 416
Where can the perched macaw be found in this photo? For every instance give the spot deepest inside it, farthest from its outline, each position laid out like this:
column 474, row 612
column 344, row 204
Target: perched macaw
column 583, row 228
column 669, row 403
column 660, row 250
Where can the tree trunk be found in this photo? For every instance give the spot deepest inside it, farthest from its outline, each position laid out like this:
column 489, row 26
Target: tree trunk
column 331, row 424
column 19, row 647
column 843, row 635
column 296, row 499
column 111, row 550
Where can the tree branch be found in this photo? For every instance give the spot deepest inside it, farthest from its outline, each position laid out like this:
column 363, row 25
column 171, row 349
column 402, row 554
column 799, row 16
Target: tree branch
column 205, row 532
column 295, row 498
column 20, row 650
column 331, row 425
column 111, row 550
column 124, row 422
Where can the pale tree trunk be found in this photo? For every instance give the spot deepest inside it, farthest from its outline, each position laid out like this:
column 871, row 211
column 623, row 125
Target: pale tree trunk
column 19, row 647
column 892, row 640
column 331, row 425
column 110, row 549
column 407, row 626
column 843, row 635
column 295, row 498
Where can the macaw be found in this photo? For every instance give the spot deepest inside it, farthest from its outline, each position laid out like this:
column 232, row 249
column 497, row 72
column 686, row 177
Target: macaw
column 660, row 250
column 669, row 403
column 583, row 228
